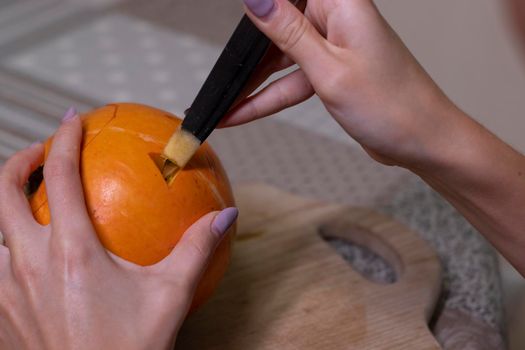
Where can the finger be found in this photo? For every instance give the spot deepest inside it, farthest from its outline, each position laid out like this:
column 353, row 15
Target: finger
column 65, row 195
column 290, row 31
column 285, row 92
column 16, row 218
column 188, row 260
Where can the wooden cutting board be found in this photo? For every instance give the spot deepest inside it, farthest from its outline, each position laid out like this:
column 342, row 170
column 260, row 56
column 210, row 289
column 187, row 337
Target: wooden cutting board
column 288, row 289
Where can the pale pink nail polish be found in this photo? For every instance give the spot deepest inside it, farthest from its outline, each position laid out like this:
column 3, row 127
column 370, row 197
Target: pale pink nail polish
column 260, row 8
column 70, row 114
column 224, row 220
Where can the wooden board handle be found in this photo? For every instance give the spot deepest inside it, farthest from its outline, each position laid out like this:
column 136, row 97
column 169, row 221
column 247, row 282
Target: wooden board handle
column 412, row 258
column 288, row 289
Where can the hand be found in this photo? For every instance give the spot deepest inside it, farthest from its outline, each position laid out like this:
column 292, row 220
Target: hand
column 516, row 10
column 371, row 84
column 60, row 289
column 367, row 79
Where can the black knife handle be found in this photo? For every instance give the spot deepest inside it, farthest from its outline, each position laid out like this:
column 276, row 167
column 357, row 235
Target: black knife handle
column 229, row 76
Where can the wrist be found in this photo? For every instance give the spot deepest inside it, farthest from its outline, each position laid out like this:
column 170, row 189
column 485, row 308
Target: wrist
column 447, row 142
column 461, row 152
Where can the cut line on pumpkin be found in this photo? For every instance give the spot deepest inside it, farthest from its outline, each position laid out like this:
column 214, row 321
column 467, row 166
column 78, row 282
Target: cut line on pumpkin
column 37, row 177
column 113, row 117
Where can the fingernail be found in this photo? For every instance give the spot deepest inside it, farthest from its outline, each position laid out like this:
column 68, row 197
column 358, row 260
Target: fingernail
column 260, row 8
column 70, row 114
column 224, row 220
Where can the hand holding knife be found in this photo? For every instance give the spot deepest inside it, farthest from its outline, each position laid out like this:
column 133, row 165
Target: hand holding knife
column 232, row 71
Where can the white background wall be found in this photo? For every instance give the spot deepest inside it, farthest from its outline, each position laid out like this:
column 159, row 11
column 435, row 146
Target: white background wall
column 469, row 48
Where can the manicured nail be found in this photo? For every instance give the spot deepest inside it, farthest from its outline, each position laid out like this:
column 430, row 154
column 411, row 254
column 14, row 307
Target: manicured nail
column 224, row 220
column 260, row 8
column 70, row 114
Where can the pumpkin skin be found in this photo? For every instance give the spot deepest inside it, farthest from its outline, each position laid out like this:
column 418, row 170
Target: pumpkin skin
column 136, row 215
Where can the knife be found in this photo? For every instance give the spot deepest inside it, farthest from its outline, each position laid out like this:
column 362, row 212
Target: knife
column 229, row 76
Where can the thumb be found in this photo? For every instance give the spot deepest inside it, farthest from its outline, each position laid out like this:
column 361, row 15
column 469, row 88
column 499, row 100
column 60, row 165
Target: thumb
column 190, row 257
column 289, row 30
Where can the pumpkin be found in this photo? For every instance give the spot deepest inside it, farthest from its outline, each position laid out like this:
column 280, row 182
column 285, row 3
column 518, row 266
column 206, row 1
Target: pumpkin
column 136, row 214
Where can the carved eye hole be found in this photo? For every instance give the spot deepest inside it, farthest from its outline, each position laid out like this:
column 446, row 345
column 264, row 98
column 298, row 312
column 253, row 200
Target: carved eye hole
column 34, row 181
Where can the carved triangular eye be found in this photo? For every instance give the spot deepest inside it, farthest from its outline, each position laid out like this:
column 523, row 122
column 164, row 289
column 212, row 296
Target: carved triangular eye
column 157, row 159
column 178, row 151
column 168, row 169
column 34, row 181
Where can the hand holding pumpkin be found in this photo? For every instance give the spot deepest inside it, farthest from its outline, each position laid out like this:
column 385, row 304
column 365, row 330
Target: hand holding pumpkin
column 60, row 288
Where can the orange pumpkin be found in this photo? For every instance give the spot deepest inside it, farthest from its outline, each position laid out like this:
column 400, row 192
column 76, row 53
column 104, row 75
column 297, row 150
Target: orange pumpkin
column 136, row 215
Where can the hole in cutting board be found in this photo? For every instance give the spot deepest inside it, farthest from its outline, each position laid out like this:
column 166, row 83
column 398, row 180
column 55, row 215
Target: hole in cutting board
column 364, row 260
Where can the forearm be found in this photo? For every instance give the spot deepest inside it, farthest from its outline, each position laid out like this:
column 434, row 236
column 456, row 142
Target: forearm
column 376, row 90
column 484, row 179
